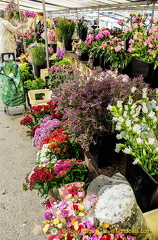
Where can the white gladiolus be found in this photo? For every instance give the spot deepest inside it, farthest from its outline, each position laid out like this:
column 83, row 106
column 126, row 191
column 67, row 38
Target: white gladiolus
column 109, row 107
column 118, row 126
column 144, row 95
column 151, row 140
column 130, row 101
column 127, row 150
column 128, row 123
column 136, row 128
column 151, row 114
column 133, row 89
column 139, row 140
column 114, row 119
column 144, row 109
column 118, row 147
column 119, row 136
column 132, row 112
column 135, row 161
column 120, row 119
column 125, row 114
column 126, row 107
column 119, row 103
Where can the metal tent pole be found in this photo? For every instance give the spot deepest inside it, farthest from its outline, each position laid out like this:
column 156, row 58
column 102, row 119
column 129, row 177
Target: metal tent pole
column 21, row 28
column 153, row 9
column 45, row 30
column 98, row 17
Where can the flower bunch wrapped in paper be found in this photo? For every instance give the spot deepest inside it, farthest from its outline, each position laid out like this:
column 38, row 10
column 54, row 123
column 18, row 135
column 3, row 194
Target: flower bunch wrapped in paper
column 72, row 192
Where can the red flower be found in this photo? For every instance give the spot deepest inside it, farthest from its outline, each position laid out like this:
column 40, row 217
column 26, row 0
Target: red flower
column 26, row 120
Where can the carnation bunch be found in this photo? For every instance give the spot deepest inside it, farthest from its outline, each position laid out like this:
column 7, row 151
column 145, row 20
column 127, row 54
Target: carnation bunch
column 53, row 175
column 62, row 145
column 44, row 130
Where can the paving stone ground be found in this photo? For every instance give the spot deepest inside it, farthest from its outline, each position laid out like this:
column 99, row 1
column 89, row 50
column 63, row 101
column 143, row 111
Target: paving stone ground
column 21, row 213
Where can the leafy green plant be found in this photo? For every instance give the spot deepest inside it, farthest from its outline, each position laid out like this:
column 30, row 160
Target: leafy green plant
column 37, row 83
column 64, row 61
column 25, row 72
column 38, row 53
column 66, row 28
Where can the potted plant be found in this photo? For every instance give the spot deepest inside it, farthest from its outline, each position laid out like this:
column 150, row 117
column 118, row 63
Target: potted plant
column 137, row 123
column 66, row 28
column 38, row 56
column 82, row 28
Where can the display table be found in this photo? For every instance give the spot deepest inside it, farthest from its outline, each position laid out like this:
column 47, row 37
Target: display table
column 79, row 65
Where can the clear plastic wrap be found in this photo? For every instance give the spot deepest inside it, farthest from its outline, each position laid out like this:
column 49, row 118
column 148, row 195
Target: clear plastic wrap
column 117, row 206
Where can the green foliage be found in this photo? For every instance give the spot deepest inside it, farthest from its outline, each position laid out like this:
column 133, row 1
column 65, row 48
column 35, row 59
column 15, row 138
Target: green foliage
column 38, row 53
column 66, row 28
column 25, row 72
column 64, row 61
column 30, row 40
column 38, row 83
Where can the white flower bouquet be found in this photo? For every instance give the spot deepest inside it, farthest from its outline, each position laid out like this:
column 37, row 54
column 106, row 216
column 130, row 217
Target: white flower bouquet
column 117, row 206
column 137, row 123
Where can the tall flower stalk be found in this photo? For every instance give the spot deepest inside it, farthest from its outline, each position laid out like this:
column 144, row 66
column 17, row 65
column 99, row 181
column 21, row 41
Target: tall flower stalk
column 137, row 123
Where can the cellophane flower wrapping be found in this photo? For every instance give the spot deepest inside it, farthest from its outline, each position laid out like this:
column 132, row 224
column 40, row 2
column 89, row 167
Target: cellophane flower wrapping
column 117, row 206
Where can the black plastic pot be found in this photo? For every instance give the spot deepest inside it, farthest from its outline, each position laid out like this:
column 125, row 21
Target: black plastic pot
column 68, row 44
column 138, row 67
column 103, row 151
column 37, row 69
column 82, row 33
column 144, row 186
column 83, row 57
column 154, row 82
column 104, row 65
column 95, row 61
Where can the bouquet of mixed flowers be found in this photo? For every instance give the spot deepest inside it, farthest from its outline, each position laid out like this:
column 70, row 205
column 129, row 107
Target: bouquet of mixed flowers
column 66, row 218
column 137, row 123
column 55, row 174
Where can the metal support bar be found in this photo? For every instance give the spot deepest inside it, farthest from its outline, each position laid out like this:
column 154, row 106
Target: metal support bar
column 45, row 30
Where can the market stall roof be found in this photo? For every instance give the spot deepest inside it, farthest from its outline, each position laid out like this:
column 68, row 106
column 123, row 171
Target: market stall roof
column 63, row 5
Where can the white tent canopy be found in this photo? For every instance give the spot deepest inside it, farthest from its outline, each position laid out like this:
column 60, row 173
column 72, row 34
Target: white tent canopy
column 71, row 5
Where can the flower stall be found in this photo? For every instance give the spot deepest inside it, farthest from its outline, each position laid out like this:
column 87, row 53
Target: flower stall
column 105, row 119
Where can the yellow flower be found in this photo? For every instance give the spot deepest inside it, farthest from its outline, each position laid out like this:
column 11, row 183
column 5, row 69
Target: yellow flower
column 80, row 207
column 46, row 228
column 97, row 232
column 81, row 214
column 75, row 225
column 56, row 221
column 48, row 20
column 105, row 225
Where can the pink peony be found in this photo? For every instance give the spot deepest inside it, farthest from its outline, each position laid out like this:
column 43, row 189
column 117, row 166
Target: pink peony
column 88, row 42
column 111, row 42
column 118, row 48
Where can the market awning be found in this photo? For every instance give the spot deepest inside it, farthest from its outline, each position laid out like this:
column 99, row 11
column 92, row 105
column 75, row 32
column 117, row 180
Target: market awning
column 62, row 5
